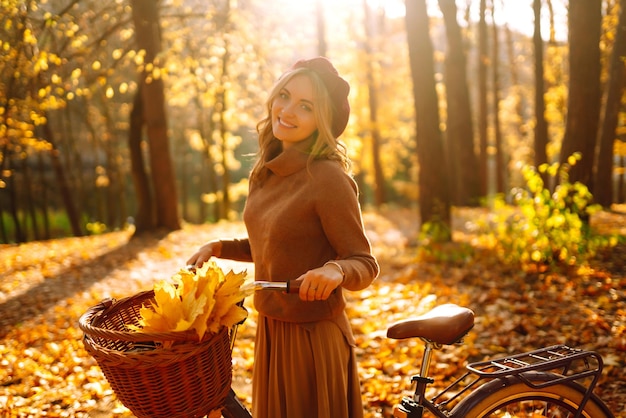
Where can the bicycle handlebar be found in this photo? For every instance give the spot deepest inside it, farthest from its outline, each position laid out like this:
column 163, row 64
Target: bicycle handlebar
column 291, row 286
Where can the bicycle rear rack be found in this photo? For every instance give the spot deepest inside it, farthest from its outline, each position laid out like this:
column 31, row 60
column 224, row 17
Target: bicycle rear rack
column 563, row 363
column 574, row 363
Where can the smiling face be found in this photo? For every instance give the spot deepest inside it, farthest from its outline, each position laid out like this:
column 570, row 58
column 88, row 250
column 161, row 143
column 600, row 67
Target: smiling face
column 293, row 115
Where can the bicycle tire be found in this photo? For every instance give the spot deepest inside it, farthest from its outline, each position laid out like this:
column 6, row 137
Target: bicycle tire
column 510, row 397
column 233, row 408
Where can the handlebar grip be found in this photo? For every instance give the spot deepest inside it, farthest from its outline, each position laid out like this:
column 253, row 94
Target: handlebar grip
column 293, row 286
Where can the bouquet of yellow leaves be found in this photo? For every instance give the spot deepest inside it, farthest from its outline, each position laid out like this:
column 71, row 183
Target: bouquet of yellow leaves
column 205, row 300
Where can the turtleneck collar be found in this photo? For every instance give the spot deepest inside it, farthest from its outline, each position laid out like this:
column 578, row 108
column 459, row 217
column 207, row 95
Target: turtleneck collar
column 291, row 160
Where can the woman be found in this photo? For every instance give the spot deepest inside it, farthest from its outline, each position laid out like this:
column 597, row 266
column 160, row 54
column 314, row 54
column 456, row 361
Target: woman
column 304, row 223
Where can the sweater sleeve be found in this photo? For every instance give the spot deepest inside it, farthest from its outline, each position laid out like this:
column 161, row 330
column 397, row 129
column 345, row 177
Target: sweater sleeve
column 236, row 249
column 340, row 214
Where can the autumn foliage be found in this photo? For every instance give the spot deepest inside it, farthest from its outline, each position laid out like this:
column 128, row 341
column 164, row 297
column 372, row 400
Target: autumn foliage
column 204, row 300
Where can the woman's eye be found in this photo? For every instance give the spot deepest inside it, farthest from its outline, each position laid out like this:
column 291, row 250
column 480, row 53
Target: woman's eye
column 306, row 107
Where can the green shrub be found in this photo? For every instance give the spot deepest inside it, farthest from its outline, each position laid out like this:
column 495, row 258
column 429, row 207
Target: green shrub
column 544, row 229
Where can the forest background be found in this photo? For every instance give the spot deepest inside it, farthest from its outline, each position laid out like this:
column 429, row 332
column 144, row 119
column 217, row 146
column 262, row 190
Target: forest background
column 144, row 112
column 487, row 139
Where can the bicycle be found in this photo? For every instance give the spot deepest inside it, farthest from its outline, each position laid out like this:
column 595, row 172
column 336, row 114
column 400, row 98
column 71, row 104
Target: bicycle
column 547, row 382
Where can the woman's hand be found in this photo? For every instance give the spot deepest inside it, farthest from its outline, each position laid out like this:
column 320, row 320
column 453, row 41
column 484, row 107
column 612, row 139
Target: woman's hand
column 208, row 250
column 319, row 283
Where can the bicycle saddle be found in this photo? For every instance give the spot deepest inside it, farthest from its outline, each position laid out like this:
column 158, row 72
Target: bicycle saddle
column 444, row 324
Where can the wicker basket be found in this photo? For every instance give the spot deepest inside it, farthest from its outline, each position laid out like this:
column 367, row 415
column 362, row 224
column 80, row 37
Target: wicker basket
column 189, row 379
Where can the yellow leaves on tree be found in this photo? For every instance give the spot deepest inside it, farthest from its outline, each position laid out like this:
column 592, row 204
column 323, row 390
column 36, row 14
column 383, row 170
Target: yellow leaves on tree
column 204, row 300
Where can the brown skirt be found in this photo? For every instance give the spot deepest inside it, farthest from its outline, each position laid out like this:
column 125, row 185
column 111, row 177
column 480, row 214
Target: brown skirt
column 304, row 371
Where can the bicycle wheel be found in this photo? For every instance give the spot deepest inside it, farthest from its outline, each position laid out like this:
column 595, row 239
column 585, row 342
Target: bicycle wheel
column 509, row 397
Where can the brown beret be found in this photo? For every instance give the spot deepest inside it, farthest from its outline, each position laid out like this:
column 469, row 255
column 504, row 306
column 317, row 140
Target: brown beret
column 337, row 87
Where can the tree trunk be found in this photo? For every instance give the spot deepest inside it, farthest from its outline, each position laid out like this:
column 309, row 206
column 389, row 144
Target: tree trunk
column 186, row 176
column 144, row 218
column 621, row 182
column 380, row 196
column 500, row 169
column 583, row 108
column 434, row 200
column 29, row 200
column 223, row 108
column 148, row 38
column 3, row 229
column 115, row 195
column 44, row 196
column 520, row 101
column 483, row 61
column 3, row 191
column 460, row 128
column 541, row 126
column 603, row 186
column 64, row 189
column 81, row 184
column 96, row 206
column 19, row 233
column 211, row 165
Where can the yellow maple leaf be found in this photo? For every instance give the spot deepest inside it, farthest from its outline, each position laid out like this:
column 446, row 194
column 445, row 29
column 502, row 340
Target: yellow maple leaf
column 208, row 275
column 199, row 321
column 170, row 311
column 234, row 315
column 208, row 278
column 227, row 298
column 191, row 309
column 163, row 314
column 164, row 290
column 229, row 293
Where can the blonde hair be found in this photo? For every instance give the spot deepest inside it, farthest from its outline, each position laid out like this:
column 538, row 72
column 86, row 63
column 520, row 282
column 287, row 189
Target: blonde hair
column 325, row 144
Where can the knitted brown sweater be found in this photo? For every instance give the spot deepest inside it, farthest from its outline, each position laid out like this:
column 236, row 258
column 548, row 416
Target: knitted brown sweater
column 299, row 218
